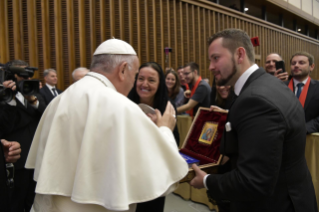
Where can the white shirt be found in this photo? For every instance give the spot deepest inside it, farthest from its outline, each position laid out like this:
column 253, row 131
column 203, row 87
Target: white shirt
column 296, row 82
column 237, row 89
column 50, row 88
column 243, row 78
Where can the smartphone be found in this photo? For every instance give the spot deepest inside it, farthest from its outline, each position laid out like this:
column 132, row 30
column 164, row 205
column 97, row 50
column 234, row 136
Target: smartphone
column 280, row 65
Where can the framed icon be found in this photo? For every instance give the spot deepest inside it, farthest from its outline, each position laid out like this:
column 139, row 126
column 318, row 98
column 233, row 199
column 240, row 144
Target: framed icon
column 208, row 133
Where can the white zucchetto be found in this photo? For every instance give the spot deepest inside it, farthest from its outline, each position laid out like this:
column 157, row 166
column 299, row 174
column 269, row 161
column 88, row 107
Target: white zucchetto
column 114, row 46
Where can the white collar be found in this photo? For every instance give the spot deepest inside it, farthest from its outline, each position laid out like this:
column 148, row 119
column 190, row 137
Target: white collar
column 101, row 78
column 50, row 86
column 243, row 78
column 296, row 81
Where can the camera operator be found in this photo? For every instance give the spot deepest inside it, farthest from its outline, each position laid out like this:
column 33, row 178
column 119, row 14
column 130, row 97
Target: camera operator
column 27, row 116
column 10, row 150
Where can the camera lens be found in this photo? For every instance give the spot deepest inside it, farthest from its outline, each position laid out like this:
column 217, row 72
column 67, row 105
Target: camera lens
column 6, row 95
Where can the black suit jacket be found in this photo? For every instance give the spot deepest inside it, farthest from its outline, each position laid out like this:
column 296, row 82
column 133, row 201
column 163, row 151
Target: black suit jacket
column 7, row 118
column 311, row 107
column 47, row 94
column 23, row 127
column 266, row 146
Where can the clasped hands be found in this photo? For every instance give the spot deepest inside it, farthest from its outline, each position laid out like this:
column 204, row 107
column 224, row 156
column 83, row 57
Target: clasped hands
column 11, row 150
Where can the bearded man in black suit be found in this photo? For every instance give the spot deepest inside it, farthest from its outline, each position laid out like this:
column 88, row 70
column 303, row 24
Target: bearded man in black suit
column 264, row 137
column 302, row 64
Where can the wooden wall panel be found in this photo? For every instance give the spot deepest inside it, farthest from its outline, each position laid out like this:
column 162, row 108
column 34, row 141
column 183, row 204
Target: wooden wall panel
column 4, row 33
column 63, row 34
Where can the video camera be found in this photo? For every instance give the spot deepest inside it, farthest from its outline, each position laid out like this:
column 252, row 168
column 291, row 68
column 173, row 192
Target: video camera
column 25, row 87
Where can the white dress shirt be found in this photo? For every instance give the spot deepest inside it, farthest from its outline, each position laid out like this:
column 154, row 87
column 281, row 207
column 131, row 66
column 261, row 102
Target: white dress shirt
column 50, row 88
column 296, row 82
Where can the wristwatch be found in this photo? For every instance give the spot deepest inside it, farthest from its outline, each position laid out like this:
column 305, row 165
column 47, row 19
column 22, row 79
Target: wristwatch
column 34, row 100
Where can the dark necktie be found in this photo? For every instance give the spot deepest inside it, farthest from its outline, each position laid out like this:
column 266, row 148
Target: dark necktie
column 54, row 92
column 299, row 85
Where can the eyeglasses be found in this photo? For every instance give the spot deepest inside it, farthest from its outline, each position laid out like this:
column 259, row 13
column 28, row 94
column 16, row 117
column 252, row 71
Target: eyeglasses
column 187, row 73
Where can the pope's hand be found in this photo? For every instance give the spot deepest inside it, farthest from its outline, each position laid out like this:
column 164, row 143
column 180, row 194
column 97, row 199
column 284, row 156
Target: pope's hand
column 197, row 181
column 169, row 117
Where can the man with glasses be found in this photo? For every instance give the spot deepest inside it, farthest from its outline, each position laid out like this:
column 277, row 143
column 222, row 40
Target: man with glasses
column 199, row 90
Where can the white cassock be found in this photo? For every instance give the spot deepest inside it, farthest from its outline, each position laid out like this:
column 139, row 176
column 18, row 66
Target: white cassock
column 95, row 150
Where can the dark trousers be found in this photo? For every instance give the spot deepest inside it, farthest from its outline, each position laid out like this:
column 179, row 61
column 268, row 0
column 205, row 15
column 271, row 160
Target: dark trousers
column 156, row 205
column 23, row 193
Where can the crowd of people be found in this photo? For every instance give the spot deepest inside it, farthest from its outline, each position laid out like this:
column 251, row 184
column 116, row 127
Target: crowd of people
column 91, row 147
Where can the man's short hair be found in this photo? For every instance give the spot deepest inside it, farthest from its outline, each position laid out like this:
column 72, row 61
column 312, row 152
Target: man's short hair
column 306, row 54
column 193, row 66
column 17, row 63
column 47, row 71
column 179, row 67
column 233, row 39
column 107, row 62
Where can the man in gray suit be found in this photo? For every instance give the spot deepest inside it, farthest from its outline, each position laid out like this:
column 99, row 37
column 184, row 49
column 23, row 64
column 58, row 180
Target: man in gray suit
column 264, row 138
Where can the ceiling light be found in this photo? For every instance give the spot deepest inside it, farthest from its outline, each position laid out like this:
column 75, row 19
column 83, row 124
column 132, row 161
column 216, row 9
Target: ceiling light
column 246, row 9
column 299, row 30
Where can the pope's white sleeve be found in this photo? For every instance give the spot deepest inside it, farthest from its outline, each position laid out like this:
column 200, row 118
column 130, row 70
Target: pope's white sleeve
column 168, row 134
column 169, row 137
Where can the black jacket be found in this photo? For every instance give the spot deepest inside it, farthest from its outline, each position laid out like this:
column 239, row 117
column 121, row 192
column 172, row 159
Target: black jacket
column 47, row 94
column 23, row 127
column 266, row 146
column 311, row 107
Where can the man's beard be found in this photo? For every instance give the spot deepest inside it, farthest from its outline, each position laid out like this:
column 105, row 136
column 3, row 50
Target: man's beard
column 223, row 82
column 302, row 75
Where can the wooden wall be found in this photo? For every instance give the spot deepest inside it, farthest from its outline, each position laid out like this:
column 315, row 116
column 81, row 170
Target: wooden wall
column 63, row 34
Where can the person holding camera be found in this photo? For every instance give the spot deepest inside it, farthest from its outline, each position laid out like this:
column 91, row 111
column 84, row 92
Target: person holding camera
column 270, row 67
column 28, row 111
column 10, row 150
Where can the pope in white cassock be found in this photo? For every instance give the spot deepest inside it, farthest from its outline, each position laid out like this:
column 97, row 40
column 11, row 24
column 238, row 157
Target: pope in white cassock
column 95, row 150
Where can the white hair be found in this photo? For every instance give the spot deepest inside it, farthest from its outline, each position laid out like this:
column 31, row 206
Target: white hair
column 107, row 62
column 79, row 69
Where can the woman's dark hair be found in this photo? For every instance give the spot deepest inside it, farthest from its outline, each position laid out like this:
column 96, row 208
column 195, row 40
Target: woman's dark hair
column 161, row 95
column 176, row 86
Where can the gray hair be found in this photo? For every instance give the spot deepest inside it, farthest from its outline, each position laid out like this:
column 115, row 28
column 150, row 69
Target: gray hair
column 47, row 71
column 108, row 62
column 79, row 69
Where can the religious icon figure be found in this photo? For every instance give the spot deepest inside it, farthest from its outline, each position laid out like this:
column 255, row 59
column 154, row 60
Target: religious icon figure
column 208, row 133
